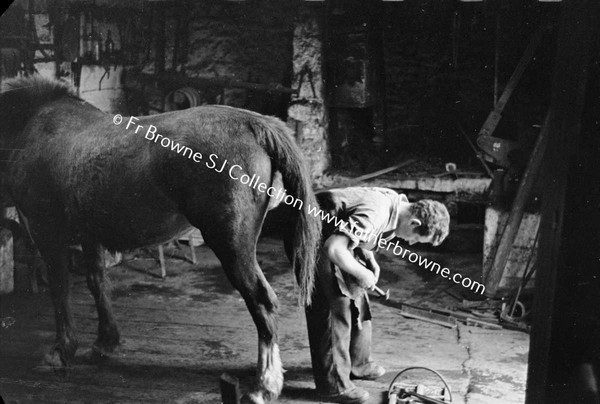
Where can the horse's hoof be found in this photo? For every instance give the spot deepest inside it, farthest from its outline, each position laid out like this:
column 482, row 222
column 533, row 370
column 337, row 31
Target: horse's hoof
column 60, row 356
column 103, row 351
column 55, row 360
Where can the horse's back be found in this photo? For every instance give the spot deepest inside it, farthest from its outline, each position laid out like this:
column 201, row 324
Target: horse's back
column 110, row 182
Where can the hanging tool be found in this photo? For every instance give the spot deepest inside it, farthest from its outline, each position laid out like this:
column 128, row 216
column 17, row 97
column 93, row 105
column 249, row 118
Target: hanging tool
column 477, row 151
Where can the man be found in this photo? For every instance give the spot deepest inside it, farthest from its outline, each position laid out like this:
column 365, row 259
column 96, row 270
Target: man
column 339, row 319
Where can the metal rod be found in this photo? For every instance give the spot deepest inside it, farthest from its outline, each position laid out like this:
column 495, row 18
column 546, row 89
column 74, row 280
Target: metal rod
column 477, row 152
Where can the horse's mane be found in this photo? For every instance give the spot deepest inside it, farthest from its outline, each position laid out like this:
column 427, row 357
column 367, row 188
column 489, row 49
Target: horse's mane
column 21, row 97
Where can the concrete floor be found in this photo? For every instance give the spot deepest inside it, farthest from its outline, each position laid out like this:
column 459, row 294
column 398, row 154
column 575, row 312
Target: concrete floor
column 180, row 334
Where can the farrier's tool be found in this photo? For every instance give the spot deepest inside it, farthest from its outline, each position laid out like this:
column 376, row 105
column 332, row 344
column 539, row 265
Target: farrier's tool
column 363, row 260
column 381, row 293
column 405, row 393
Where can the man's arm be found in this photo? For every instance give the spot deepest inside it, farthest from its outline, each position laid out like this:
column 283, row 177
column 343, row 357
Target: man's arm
column 336, row 249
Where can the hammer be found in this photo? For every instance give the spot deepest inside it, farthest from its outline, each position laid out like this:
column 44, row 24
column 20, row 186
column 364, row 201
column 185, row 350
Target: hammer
column 381, row 293
column 362, row 259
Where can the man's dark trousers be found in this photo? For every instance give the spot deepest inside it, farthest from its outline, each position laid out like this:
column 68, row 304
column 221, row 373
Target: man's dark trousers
column 339, row 332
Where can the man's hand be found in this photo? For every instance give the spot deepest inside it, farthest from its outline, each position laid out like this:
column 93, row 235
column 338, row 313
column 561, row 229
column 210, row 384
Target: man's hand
column 371, row 263
column 366, row 279
column 336, row 249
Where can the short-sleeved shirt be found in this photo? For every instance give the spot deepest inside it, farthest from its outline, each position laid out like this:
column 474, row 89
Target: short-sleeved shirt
column 370, row 214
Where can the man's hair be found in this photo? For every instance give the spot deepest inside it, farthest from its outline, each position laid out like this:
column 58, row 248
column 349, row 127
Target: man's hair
column 434, row 217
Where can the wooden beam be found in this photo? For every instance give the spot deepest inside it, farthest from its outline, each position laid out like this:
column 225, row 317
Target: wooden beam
column 160, row 40
column 493, row 119
column 171, row 81
column 579, row 19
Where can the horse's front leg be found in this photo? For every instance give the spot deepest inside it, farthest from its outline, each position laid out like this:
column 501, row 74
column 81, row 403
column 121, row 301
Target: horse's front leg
column 108, row 333
column 54, row 251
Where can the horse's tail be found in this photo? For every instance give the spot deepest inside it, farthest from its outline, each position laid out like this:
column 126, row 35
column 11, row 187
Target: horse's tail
column 305, row 229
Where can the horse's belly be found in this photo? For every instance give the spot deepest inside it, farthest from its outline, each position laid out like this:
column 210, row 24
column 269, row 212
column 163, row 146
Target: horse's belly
column 140, row 230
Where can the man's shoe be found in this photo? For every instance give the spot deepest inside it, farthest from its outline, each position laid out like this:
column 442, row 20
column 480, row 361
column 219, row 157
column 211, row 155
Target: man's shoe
column 373, row 372
column 355, row 395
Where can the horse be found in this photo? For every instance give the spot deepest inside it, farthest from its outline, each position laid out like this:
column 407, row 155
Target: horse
column 80, row 176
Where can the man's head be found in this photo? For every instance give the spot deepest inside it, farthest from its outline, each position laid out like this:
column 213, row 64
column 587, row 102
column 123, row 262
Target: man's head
column 428, row 222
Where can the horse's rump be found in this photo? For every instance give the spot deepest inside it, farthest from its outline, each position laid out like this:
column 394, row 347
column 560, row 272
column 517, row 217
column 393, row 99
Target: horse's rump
column 126, row 189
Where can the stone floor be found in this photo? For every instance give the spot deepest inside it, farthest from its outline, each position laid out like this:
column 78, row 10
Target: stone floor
column 181, row 333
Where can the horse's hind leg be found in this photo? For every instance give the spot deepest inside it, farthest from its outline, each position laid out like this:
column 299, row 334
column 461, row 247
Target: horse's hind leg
column 108, row 333
column 237, row 252
column 53, row 249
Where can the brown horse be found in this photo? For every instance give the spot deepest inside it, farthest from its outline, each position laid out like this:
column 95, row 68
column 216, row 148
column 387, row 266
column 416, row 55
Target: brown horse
column 77, row 177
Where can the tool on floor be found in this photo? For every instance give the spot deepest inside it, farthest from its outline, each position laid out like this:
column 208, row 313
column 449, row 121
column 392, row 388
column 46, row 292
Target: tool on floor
column 401, row 392
column 447, row 318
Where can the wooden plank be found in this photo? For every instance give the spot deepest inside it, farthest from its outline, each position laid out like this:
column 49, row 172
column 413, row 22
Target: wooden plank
column 169, row 81
column 493, row 275
column 381, row 172
column 490, row 124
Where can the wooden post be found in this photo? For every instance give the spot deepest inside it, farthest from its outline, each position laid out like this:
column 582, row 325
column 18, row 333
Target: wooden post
column 494, row 274
column 230, row 389
column 193, row 250
column 160, row 39
column 161, row 259
column 6, row 262
column 579, row 19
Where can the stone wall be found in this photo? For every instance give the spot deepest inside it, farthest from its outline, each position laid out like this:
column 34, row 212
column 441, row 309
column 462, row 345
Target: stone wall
column 307, row 112
column 270, row 42
column 245, row 41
